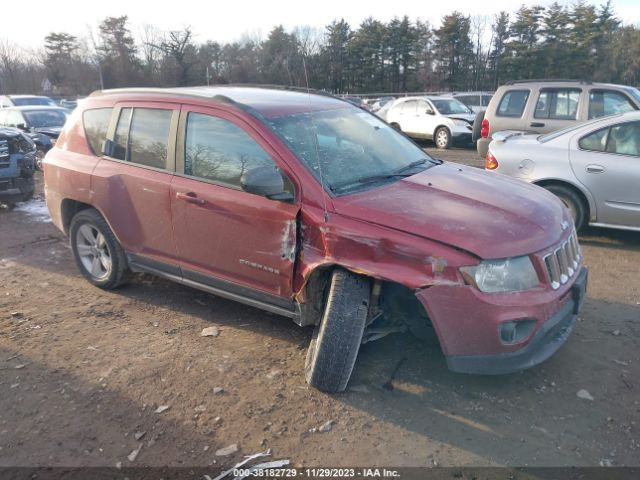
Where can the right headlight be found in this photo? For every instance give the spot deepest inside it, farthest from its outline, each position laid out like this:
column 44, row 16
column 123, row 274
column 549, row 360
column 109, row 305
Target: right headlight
column 504, row 275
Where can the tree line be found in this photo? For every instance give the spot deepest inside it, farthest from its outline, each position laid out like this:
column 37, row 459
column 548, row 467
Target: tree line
column 464, row 52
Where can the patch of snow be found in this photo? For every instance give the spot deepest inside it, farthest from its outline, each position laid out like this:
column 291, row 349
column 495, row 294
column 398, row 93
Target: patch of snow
column 35, row 209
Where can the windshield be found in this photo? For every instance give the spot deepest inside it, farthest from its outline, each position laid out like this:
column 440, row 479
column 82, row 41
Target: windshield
column 21, row 102
column 634, row 92
column 348, row 146
column 450, row 107
column 45, row 118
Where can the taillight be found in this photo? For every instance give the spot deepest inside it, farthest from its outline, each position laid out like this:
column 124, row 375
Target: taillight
column 484, row 129
column 490, row 162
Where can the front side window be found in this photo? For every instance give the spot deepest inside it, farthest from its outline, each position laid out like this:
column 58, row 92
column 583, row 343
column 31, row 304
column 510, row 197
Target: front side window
column 348, row 149
column 558, row 103
column 220, row 151
column 96, row 123
column 608, row 102
column 624, row 139
column 512, row 103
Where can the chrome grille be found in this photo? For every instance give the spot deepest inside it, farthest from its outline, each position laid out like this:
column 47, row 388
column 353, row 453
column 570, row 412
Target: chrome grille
column 4, row 149
column 563, row 262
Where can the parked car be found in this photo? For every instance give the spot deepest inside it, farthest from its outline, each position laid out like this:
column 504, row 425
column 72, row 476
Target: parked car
column 23, row 100
column 17, row 152
column 542, row 106
column 42, row 124
column 68, row 103
column 381, row 102
column 476, row 101
column 444, row 120
column 594, row 167
column 357, row 102
column 308, row 207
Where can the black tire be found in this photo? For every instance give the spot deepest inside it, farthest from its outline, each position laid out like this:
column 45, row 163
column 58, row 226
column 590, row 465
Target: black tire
column 442, row 138
column 477, row 126
column 334, row 347
column 573, row 202
column 396, row 126
column 114, row 276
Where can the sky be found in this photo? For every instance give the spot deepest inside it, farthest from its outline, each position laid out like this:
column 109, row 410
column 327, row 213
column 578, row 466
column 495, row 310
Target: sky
column 227, row 22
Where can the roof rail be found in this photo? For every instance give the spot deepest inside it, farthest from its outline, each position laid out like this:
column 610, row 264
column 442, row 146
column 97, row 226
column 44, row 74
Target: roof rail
column 559, row 80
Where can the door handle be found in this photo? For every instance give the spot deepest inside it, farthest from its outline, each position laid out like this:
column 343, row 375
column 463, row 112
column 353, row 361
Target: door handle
column 537, row 124
column 190, row 197
column 595, row 168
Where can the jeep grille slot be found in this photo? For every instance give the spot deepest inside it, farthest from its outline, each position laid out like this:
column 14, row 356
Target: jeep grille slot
column 563, row 262
column 4, row 149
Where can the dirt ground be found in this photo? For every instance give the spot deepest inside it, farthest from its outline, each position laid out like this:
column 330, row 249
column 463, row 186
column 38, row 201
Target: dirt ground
column 83, row 371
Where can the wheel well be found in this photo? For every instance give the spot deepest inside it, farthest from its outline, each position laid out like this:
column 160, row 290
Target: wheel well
column 69, row 208
column 438, row 128
column 577, row 191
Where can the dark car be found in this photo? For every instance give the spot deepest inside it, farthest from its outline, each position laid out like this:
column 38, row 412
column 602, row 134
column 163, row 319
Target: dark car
column 17, row 152
column 308, row 207
column 42, row 123
column 24, row 100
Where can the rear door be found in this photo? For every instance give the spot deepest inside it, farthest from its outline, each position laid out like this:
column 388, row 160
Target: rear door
column 132, row 186
column 555, row 108
column 607, row 162
column 225, row 237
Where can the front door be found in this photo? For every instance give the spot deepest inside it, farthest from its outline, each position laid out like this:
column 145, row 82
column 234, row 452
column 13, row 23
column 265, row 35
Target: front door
column 607, row 162
column 225, row 237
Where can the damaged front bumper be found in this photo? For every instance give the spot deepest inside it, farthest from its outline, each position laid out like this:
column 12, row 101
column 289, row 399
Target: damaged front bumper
column 470, row 334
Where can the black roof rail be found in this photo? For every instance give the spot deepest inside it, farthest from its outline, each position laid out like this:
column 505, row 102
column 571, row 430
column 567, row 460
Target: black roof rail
column 559, row 80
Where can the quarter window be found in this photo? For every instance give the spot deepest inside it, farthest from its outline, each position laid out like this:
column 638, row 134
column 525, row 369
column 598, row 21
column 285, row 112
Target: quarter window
column 218, row 150
column 96, row 123
column 512, row 103
column 560, row 104
column 607, row 102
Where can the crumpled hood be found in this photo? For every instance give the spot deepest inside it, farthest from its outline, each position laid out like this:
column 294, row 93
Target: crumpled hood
column 491, row 216
column 53, row 132
column 468, row 117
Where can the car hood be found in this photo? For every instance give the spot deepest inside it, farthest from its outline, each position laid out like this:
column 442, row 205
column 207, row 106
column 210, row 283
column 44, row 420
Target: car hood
column 9, row 132
column 491, row 216
column 53, row 132
column 467, row 117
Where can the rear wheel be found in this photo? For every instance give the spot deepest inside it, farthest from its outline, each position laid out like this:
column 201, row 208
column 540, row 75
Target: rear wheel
column 334, row 347
column 442, row 138
column 98, row 254
column 572, row 201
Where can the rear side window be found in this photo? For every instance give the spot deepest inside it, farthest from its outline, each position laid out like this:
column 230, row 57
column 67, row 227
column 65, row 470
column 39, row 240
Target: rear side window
column 512, row 103
column 218, row 150
column 624, row 139
column 559, row 104
column 96, row 123
column 409, row 106
column 608, row 102
column 596, row 141
column 142, row 136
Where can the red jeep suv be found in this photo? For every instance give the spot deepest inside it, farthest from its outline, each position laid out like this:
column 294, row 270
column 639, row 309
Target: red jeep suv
column 306, row 206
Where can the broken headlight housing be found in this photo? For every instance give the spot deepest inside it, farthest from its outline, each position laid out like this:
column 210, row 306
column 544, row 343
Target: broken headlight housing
column 504, row 275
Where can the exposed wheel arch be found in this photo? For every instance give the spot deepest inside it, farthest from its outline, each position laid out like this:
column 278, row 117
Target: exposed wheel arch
column 69, row 208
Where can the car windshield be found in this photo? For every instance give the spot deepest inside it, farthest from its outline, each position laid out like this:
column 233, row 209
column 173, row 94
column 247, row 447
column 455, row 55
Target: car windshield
column 634, row 92
column 451, row 107
column 45, row 118
column 21, row 102
column 349, row 148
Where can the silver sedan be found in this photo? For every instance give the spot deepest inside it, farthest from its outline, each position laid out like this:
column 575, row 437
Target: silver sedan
column 594, row 167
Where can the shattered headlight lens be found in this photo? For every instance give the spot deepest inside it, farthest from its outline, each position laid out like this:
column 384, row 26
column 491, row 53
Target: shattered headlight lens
column 504, row 275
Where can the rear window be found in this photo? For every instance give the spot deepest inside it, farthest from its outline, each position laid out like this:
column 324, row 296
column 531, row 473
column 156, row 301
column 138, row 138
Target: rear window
column 96, row 123
column 512, row 103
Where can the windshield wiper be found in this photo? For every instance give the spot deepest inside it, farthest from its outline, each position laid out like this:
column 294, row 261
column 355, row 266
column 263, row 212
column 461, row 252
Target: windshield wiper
column 399, row 172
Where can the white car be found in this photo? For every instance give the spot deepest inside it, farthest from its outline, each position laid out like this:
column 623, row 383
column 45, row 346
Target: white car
column 593, row 167
column 444, row 120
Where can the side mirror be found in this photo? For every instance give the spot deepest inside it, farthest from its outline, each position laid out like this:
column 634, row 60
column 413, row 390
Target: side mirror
column 429, row 112
column 108, row 148
column 265, row 181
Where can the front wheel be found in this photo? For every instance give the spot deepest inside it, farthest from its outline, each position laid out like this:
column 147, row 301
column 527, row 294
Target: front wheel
column 442, row 138
column 334, row 347
column 98, row 254
column 573, row 202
